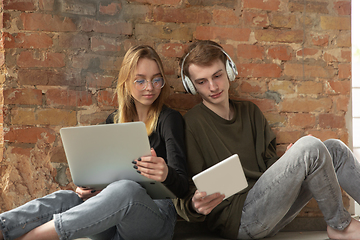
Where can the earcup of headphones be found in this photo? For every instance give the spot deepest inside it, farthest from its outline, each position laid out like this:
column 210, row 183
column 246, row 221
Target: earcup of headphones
column 188, row 85
column 231, row 72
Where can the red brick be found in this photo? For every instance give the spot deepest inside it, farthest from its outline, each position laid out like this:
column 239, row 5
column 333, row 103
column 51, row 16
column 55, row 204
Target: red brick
column 259, row 70
column 104, row 44
column 311, row 7
column 91, row 25
column 80, row 8
column 57, row 155
column 107, row 99
column 342, row 103
column 225, row 17
column 167, row 31
column 270, row 5
column 282, row 87
column 157, row 2
column 320, row 40
column 303, row 120
column 47, row 22
column 287, row 136
column 343, row 7
column 337, row 55
column 47, row 78
column 252, row 87
column 250, row 51
column 344, row 39
column 344, row 70
column 310, row 87
column 346, row 55
column 46, row 5
column 305, row 105
column 283, row 20
column 255, row 19
column 340, row 87
column 171, row 49
column 211, row 3
column 45, row 116
column 95, row 118
column 181, row 15
column 223, row 33
column 306, row 52
column 274, row 35
column 28, row 59
column 19, row 5
column 110, row 9
column 323, row 134
column 331, row 121
column 280, row 52
column 25, row 96
column 29, row 135
column 73, row 41
column 27, row 40
column 94, row 80
column 60, row 97
column 298, row 70
column 335, row 23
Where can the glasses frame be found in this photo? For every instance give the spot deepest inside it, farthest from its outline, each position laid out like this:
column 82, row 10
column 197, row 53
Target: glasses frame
column 147, row 83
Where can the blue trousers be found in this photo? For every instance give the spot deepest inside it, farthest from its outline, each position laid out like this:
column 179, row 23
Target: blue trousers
column 123, row 210
column 309, row 169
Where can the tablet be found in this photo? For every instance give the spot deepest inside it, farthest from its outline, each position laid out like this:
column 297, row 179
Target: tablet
column 226, row 177
column 101, row 154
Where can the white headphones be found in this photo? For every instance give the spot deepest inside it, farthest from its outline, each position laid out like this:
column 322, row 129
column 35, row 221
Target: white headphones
column 230, row 70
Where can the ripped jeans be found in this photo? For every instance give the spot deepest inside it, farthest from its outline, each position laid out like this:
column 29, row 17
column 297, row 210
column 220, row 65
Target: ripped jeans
column 309, row 169
column 123, row 210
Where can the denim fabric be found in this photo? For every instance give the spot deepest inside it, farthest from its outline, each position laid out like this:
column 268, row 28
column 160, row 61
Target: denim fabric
column 123, row 210
column 310, row 168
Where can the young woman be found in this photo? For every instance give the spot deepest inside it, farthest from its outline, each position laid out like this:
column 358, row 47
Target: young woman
column 122, row 210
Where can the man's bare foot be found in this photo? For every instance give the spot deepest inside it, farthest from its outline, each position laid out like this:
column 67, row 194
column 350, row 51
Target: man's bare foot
column 350, row 232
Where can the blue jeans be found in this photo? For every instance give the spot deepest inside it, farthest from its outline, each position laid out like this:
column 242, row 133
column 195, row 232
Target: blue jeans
column 309, row 169
column 123, row 210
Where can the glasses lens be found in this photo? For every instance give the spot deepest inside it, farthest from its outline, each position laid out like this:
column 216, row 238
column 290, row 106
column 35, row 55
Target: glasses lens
column 140, row 84
column 158, row 82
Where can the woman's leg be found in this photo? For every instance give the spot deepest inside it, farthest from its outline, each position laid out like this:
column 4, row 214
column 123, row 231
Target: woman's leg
column 18, row 221
column 305, row 168
column 123, row 204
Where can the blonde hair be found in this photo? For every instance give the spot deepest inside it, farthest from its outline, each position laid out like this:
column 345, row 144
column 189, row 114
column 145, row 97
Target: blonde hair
column 127, row 109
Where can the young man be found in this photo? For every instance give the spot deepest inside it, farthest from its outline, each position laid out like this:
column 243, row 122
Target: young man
column 278, row 188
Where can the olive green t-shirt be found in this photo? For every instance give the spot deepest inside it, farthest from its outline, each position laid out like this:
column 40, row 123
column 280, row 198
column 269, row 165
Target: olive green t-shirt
column 211, row 139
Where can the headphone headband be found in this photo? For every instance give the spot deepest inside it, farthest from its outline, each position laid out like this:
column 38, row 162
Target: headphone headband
column 231, row 71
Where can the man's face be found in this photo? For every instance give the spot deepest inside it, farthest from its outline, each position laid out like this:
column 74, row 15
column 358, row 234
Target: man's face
column 211, row 82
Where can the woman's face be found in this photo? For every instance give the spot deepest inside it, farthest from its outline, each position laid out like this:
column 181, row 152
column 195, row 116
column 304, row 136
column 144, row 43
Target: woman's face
column 146, row 86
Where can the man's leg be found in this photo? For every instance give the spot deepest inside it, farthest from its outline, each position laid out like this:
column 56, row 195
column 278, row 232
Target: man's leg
column 305, row 169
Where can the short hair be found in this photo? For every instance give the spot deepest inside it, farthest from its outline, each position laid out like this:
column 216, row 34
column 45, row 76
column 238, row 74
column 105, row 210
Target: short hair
column 127, row 110
column 202, row 53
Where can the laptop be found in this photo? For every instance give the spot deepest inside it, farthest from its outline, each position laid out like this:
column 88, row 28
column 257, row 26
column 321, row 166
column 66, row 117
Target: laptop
column 226, row 177
column 101, row 154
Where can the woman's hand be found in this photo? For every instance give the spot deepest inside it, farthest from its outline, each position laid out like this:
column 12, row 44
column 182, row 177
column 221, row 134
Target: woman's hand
column 204, row 204
column 86, row 193
column 152, row 167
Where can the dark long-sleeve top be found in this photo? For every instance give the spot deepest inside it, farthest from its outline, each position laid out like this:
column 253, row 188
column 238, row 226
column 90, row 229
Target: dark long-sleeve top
column 209, row 140
column 168, row 143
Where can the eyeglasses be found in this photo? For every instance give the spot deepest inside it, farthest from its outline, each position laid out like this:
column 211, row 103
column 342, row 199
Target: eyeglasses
column 141, row 84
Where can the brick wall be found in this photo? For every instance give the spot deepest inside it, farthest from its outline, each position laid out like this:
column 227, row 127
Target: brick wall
column 60, row 58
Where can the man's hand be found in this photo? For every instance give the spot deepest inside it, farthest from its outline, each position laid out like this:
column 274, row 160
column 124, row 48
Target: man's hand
column 204, row 204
